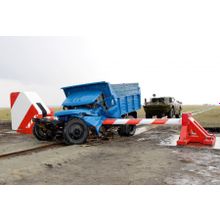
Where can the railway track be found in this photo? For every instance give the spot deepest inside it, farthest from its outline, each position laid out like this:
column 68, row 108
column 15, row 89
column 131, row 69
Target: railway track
column 40, row 148
column 45, row 147
column 31, row 150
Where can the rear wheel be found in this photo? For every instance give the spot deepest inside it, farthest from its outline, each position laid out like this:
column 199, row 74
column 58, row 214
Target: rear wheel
column 179, row 114
column 41, row 133
column 159, row 116
column 171, row 113
column 75, row 132
column 148, row 115
column 127, row 130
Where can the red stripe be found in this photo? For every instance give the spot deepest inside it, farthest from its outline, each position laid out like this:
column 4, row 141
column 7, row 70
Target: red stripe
column 133, row 121
column 159, row 121
column 51, row 113
column 108, row 121
column 129, row 122
column 13, row 97
column 27, row 119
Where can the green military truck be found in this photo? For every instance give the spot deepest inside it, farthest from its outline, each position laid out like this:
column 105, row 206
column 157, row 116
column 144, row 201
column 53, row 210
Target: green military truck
column 162, row 106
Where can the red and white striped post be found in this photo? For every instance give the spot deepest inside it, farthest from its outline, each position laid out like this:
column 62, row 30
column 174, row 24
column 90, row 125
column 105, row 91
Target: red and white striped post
column 24, row 107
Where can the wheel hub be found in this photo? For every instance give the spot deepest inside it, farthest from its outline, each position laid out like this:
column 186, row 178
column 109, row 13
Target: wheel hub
column 76, row 131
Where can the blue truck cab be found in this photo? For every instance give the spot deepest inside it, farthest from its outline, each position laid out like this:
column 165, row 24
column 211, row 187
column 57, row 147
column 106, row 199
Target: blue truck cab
column 85, row 108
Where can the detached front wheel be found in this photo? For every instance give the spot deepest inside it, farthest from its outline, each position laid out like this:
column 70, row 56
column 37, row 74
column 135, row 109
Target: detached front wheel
column 75, row 132
column 41, row 133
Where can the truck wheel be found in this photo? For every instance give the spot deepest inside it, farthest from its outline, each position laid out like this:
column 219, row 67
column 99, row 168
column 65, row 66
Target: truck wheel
column 178, row 115
column 75, row 132
column 148, row 116
column 159, row 116
column 41, row 133
column 131, row 129
column 171, row 113
column 127, row 130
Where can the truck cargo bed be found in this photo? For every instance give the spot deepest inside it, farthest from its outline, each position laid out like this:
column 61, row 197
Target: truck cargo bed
column 128, row 97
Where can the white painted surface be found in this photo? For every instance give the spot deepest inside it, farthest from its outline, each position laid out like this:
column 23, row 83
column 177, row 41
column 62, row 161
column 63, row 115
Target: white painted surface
column 175, row 121
column 146, row 121
column 121, row 121
column 19, row 110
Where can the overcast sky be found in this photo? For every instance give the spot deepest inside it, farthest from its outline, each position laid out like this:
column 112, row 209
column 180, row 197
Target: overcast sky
column 169, row 52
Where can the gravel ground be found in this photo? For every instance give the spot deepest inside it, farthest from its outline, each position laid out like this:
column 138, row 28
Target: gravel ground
column 143, row 159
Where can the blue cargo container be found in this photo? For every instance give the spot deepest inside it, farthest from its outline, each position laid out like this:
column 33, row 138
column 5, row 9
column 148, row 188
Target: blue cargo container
column 86, row 107
column 128, row 97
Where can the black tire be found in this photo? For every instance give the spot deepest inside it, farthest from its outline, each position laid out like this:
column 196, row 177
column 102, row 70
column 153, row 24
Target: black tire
column 148, row 116
column 159, row 116
column 41, row 133
column 171, row 113
column 75, row 132
column 127, row 130
column 178, row 115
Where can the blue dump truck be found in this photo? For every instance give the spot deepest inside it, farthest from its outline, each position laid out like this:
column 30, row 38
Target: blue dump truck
column 86, row 107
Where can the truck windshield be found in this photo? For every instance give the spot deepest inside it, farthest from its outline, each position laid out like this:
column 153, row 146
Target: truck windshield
column 154, row 100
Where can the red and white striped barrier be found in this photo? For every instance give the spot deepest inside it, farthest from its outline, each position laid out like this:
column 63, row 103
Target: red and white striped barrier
column 24, row 107
column 141, row 121
column 191, row 131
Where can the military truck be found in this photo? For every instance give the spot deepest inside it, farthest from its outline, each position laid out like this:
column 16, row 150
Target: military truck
column 162, row 106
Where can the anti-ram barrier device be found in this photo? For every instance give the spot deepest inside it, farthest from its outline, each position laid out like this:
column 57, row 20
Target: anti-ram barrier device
column 24, row 107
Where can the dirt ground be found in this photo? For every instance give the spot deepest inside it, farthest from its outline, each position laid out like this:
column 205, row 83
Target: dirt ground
column 147, row 158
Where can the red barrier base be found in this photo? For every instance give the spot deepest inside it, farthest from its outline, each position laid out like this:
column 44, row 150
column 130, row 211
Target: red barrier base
column 193, row 132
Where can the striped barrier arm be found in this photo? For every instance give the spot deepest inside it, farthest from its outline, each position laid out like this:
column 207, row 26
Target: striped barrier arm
column 140, row 121
column 191, row 131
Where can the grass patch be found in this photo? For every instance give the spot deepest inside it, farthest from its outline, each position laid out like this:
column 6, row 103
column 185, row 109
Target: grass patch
column 210, row 118
column 5, row 114
column 194, row 108
column 141, row 113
